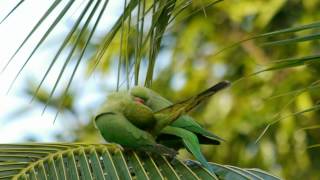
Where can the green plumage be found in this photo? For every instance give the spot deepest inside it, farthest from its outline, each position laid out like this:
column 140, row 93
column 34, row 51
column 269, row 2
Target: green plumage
column 138, row 114
column 115, row 127
column 142, row 119
column 121, row 120
column 190, row 142
column 158, row 103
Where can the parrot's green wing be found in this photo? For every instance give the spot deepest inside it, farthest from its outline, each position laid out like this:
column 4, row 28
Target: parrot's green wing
column 111, row 123
column 187, row 123
column 190, row 141
column 204, row 136
column 115, row 128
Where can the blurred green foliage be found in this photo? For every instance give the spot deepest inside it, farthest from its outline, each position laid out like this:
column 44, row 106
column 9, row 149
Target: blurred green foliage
column 241, row 113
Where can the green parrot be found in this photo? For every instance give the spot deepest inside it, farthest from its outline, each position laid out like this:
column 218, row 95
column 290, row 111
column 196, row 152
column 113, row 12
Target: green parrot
column 180, row 130
column 118, row 122
column 142, row 119
column 167, row 113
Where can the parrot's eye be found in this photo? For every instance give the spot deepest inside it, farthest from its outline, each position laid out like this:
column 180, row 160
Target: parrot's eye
column 138, row 100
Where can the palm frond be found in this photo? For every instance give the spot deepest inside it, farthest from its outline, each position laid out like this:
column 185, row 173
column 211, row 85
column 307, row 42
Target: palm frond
column 162, row 13
column 106, row 161
column 160, row 21
column 181, row 7
column 278, row 118
column 56, row 21
column 51, row 8
column 73, row 48
column 291, row 62
column 139, row 38
column 314, row 146
column 81, row 56
column 309, row 128
column 12, row 10
column 293, row 40
column 111, row 34
column 312, row 86
column 310, row 26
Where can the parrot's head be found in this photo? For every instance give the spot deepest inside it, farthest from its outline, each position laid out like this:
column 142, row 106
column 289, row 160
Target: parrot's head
column 149, row 98
column 140, row 94
column 126, row 98
column 130, row 106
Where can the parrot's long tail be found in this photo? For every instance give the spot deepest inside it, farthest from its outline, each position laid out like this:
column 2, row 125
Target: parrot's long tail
column 171, row 113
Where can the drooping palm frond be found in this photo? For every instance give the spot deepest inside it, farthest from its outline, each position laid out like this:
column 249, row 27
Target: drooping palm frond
column 71, row 161
column 73, row 32
column 51, row 8
column 148, row 35
column 160, row 21
column 287, row 62
column 291, row 62
column 277, row 119
column 162, row 13
column 12, row 10
column 311, row 26
column 312, row 34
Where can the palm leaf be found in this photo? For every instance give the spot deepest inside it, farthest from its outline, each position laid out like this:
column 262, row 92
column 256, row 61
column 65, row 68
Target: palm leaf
column 12, row 10
column 68, row 161
column 43, row 38
column 160, row 21
column 291, row 62
column 293, row 40
column 310, row 26
column 161, row 13
column 51, row 8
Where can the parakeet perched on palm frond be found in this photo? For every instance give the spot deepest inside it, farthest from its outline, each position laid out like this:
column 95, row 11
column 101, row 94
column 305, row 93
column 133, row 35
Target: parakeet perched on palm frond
column 142, row 119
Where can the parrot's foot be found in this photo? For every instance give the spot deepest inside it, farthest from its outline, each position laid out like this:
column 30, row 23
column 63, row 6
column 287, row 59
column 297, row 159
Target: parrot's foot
column 164, row 150
column 192, row 163
column 160, row 150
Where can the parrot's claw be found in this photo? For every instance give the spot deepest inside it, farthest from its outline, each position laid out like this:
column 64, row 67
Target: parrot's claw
column 192, row 163
column 171, row 153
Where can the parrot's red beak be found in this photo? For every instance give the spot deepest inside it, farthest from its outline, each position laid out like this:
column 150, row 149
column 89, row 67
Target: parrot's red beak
column 138, row 100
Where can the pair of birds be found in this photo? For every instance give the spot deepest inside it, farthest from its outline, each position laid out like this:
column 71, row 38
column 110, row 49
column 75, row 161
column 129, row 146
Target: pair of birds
column 142, row 119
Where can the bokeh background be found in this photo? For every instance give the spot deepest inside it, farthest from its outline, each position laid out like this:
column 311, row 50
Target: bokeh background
column 286, row 99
